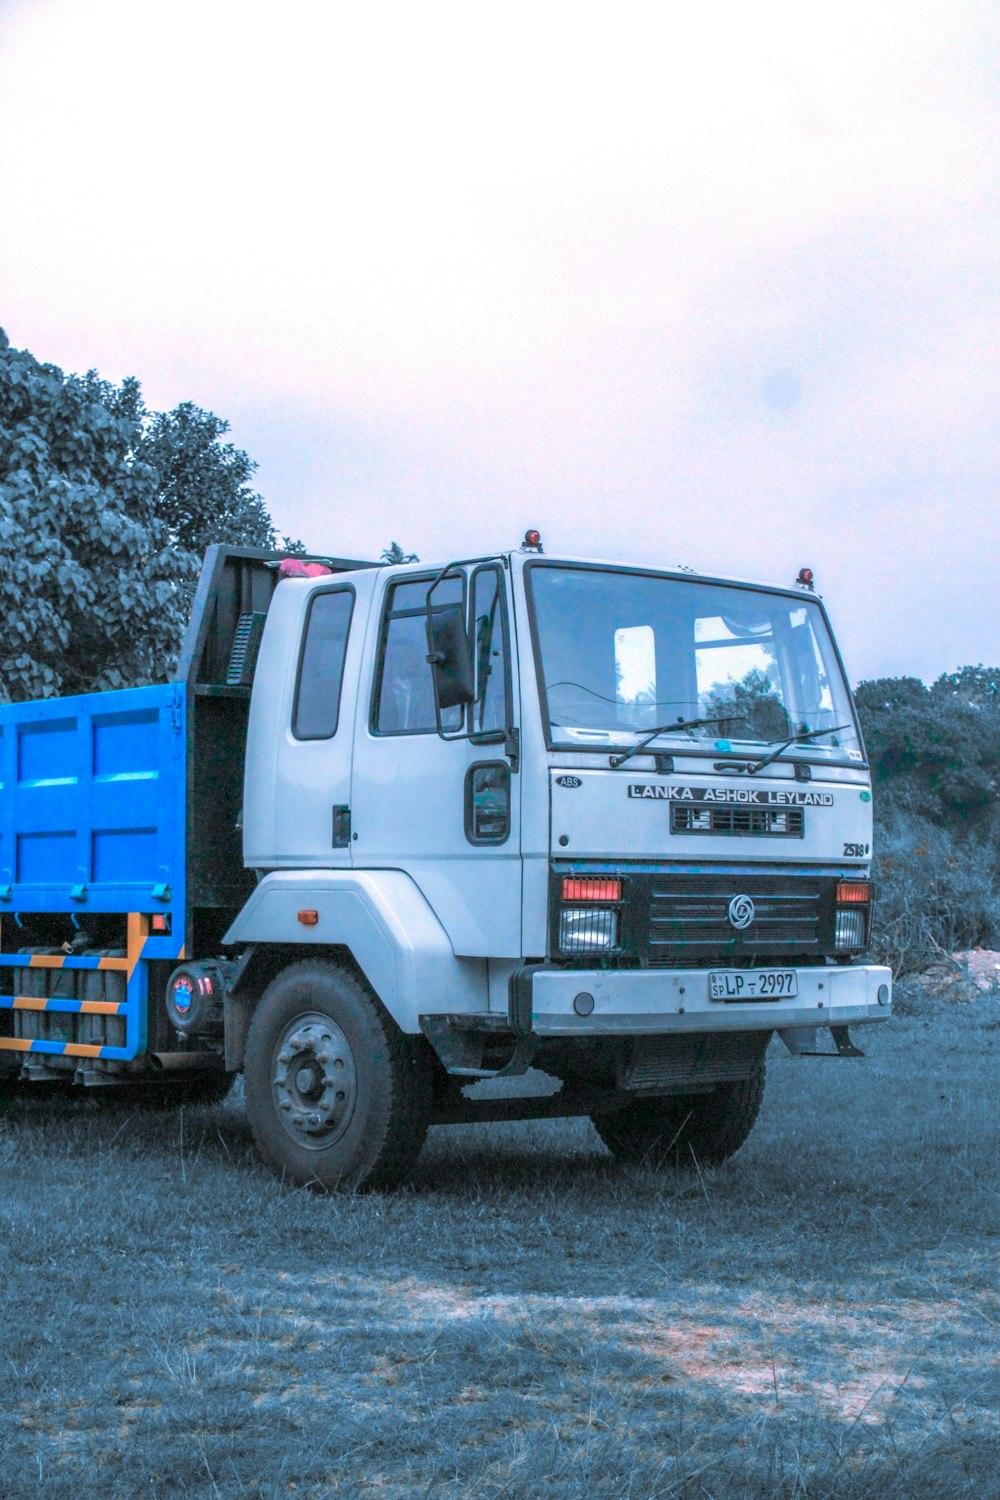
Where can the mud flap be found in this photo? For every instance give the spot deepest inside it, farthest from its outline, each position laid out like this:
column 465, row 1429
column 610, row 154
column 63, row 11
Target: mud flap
column 801, row 1042
column 460, row 1042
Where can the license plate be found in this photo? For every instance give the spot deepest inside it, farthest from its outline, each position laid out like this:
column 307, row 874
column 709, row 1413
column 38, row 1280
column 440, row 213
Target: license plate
column 751, row 984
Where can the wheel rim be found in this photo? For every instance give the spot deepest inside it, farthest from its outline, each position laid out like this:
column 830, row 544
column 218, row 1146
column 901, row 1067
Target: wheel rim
column 314, row 1081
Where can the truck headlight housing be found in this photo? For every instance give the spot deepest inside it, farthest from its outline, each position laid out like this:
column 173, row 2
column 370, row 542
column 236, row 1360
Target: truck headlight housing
column 849, row 931
column 851, row 927
column 587, row 929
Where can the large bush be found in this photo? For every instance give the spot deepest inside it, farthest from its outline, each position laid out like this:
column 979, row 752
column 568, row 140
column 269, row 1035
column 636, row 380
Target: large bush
column 935, row 756
column 936, row 891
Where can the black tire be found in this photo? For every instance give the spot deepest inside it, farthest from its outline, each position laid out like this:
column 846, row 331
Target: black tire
column 337, row 1096
column 680, row 1130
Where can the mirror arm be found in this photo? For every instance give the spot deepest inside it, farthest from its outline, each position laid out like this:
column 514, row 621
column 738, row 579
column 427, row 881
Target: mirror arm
column 460, row 562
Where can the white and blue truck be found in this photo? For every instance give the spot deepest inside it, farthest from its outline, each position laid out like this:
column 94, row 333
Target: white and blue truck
column 397, row 829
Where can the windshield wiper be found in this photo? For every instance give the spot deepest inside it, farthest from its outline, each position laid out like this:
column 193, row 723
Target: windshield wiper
column 679, row 724
column 795, row 739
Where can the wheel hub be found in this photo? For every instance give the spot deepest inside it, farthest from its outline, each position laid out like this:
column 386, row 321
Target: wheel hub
column 314, row 1081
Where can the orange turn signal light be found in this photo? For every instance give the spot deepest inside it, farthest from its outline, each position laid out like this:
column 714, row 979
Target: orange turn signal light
column 850, row 891
column 592, row 888
column 308, row 918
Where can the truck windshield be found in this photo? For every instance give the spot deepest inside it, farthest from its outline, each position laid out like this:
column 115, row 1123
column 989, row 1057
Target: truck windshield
column 621, row 653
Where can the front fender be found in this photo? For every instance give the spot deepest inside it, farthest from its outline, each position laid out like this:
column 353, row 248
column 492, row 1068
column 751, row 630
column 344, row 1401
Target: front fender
column 384, row 920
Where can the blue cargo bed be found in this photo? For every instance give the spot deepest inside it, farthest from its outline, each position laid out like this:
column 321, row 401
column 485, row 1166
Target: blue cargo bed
column 92, row 824
column 92, row 801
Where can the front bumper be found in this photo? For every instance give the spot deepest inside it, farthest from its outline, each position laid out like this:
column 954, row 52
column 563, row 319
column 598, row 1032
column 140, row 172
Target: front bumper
column 635, row 1002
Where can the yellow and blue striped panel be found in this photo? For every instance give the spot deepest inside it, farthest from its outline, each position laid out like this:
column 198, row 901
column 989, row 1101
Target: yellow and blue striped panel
column 141, row 945
column 56, row 1049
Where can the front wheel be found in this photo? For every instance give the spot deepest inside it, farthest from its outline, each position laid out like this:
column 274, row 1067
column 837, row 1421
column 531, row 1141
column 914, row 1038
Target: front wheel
column 337, row 1097
column 680, row 1130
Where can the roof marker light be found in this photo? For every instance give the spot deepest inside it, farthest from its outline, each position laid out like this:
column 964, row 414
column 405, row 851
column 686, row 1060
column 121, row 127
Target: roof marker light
column 533, row 542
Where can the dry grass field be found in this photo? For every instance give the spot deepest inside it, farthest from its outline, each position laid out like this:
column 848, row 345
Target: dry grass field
column 817, row 1318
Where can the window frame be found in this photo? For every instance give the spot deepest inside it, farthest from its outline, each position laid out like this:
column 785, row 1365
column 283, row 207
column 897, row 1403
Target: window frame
column 388, row 615
column 487, row 736
column 321, row 593
column 493, row 840
column 694, row 751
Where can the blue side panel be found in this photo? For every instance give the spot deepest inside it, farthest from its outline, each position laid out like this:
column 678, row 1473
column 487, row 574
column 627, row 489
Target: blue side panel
column 92, row 803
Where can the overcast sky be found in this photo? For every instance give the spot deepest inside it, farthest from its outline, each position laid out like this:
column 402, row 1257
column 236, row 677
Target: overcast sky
column 673, row 283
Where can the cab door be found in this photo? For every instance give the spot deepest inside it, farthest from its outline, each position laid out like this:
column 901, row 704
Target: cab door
column 445, row 810
column 303, row 725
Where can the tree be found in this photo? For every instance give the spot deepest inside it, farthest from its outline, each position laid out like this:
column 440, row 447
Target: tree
column 935, row 750
column 395, row 554
column 105, row 509
column 976, row 685
column 204, row 484
column 935, row 757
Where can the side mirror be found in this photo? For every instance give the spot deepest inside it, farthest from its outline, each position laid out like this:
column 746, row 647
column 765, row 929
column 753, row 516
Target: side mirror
column 450, row 656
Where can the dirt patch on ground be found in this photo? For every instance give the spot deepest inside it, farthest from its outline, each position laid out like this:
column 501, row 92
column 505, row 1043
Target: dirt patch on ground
column 963, row 976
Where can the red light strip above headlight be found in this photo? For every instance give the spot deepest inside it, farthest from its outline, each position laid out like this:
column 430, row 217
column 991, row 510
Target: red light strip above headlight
column 596, row 888
column 850, row 891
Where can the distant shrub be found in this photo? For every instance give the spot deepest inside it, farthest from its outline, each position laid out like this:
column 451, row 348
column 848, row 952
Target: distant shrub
column 934, row 891
column 935, row 758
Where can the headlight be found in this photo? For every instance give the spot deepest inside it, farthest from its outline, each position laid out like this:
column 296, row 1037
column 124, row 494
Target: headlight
column 849, row 931
column 587, row 929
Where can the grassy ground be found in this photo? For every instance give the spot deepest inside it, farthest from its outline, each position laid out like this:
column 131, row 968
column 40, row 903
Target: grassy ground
column 817, row 1318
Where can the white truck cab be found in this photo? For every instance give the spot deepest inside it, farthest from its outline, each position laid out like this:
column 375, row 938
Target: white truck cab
column 606, row 821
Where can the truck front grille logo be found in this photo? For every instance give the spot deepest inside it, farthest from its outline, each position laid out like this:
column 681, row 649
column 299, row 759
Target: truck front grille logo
column 741, row 912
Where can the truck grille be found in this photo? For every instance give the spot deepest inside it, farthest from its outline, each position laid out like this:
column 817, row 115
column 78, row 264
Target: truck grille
column 674, row 916
column 753, row 822
column 689, row 915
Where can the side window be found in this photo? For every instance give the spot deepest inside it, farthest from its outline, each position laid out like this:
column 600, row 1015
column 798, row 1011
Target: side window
column 405, row 689
column 489, row 644
column 321, row 665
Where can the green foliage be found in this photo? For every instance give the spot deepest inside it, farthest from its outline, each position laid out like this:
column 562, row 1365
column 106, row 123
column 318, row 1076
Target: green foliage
column 935, row 757
column 936, row 750
column 395, row 554
column 204, row 490
column 105, row 509
column 936, row 893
